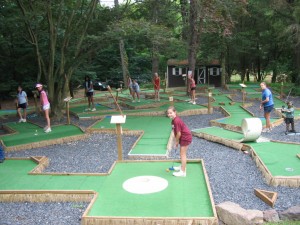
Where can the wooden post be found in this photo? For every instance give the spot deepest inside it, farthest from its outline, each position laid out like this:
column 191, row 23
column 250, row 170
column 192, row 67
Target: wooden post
column 119, row 141
column 118, row 120
column 208, row 102
column 171, row 100
column 68, row 112
column 243, row 93
column 67, row 100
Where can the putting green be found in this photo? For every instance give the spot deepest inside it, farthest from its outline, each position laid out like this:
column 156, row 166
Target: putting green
column 156, row 133
column 82, row 108
column 220, row 132
column 279, row 158
column 184, row 197
column 8, row 112
column 29, row 133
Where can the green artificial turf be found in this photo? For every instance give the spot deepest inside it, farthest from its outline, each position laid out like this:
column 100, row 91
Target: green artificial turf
column 280, row 158
column 156, row 133
column 28, row 133
column 184, row 197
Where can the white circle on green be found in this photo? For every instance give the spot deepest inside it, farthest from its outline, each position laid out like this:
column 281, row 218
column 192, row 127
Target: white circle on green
column 145, row 184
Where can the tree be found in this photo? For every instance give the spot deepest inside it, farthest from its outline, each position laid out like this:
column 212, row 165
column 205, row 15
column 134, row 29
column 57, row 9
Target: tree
column 58, row 32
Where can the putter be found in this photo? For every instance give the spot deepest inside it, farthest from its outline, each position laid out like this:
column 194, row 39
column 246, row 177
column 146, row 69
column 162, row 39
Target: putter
column 286, row 100
column 172, row 167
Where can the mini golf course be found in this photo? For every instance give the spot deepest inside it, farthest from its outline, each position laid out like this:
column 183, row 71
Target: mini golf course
column 190, row 197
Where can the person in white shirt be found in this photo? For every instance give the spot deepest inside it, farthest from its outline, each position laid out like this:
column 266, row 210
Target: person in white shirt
column 22, row 103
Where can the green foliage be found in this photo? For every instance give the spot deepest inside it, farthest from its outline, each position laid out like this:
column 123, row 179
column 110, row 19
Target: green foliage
column 260, row 37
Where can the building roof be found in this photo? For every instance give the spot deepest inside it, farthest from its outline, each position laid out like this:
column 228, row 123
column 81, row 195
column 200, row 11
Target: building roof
column 185, row 62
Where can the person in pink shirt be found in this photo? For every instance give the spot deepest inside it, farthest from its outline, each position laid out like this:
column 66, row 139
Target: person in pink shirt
column 45, row 106
column 183, row 137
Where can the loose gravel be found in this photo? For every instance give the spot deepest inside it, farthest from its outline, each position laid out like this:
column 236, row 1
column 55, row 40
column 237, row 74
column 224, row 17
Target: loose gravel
column 58, row 213
column 233, row 175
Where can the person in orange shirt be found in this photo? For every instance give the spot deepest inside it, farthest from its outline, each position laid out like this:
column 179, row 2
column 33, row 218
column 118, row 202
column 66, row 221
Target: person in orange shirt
column 156, row 82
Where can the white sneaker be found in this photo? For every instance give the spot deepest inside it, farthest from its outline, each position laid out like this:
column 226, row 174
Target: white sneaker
column 190, row 102
column 48, row 130
column 88, row 109
column 93, row 110
column 265, row 130
column 194, row 103
column 45, row 128
column 179, row 174
column 24, row 120
column 133, row 100
column 177, row 168
column 20, row 121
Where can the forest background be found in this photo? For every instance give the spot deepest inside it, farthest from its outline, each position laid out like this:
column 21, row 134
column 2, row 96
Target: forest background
column 58, row 42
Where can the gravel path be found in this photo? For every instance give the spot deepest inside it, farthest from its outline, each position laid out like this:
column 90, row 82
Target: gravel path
column 233, row 175
column 58, row 213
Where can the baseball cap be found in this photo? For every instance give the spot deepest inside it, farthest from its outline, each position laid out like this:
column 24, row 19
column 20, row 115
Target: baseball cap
column 38, row 85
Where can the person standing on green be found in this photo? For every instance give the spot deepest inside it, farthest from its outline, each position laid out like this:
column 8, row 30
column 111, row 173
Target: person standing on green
column 267, row 104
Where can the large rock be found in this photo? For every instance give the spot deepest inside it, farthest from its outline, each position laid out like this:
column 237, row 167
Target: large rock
column 271, row 216
column 292, row 213
column 232, row 214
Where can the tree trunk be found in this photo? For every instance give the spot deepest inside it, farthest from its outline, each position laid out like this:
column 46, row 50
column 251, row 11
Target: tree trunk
column 124, row 61
column 247, row 75
column 185, row 18
column 195, row 28
column 296, row 74
column 223, row 72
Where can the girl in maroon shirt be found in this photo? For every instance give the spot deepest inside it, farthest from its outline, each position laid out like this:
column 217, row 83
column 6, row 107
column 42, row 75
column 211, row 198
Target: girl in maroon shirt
column 183, row 137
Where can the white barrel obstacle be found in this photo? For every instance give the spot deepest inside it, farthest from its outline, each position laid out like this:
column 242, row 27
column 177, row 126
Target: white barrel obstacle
column 251, row 128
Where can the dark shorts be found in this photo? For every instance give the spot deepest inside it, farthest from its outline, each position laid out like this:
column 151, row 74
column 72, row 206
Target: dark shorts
column 268, row 109
column 184, row 143
column 22, row 106
column 89, row 94
column 289, row 120
column 193, row 88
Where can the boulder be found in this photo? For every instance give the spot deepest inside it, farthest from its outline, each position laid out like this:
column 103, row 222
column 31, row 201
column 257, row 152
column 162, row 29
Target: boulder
column 233, row 214
column 271, row 216
column 292, row 213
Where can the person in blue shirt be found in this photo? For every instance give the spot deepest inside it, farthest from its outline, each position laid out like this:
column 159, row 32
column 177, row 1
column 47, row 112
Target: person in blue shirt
column 267, row 104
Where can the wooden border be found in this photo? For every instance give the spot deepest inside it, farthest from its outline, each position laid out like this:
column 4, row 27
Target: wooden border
column 227, row 142
column 293, row 181
column 105, row 220
column 40, row 143
column 47, row 196
column 43, row 163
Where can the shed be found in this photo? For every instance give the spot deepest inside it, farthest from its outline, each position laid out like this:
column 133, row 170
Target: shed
column 204, row 74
